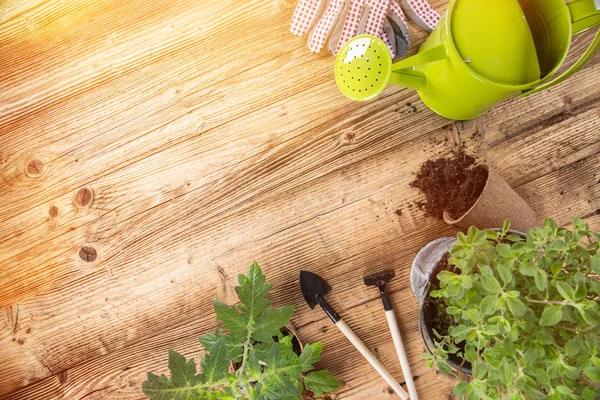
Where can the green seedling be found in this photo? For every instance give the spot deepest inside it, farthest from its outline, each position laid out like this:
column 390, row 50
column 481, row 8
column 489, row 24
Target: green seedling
column 266, row 366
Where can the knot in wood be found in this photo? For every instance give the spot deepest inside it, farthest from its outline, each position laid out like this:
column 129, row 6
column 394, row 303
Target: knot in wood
column 35, row 167
column 87, row 253
column 53, row 211
column 348, row 137
column 83, row 197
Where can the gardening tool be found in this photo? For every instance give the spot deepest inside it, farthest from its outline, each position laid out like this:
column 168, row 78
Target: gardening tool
column 477, row 56
column 380, row 280
column 334, row 22
column 314, row 289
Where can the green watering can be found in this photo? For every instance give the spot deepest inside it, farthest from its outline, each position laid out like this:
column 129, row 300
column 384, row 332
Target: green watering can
column 481, row 53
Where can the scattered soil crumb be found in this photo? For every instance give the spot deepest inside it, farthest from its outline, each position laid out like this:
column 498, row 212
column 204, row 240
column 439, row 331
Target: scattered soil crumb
column 451, row 184
column 308, row 395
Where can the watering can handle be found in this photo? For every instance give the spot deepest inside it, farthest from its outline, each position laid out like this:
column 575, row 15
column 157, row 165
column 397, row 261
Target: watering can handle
column 585, row 15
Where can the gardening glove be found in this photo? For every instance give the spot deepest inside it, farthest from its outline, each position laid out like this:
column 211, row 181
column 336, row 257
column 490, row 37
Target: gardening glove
column 336, row 18
column 340, row 20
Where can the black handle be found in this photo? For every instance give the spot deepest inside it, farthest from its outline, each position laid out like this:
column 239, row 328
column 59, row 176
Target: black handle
column 385, row 298
column 328, row 310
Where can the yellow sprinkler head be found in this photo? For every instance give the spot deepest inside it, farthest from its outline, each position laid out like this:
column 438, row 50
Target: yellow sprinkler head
column 363, row 68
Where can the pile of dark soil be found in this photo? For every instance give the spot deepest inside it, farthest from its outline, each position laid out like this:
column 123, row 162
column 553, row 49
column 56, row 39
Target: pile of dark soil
column 435, row 307
column 434, row 311
column 450, row 184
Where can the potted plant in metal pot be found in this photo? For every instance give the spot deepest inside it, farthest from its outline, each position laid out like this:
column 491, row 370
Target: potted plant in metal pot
column 514, row 316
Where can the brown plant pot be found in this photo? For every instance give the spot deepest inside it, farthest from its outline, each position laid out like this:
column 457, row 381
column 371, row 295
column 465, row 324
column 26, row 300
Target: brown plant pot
column 497, row 203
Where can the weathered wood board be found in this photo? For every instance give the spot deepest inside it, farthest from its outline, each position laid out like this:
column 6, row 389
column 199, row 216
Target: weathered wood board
column 150, row 151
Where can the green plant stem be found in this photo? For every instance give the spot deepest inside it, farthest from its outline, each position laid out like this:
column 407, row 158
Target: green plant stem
column 243, row 381
column 563, row 303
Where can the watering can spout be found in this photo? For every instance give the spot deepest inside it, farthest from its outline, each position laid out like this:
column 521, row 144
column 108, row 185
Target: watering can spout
column 404, row 75
column 410, row 79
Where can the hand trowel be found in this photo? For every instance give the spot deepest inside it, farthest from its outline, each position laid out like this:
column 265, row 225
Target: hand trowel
column 314, row 289
column 380, row 280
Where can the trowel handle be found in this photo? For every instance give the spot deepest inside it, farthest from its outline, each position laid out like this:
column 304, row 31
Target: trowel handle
column 360, row 346
column 410, row 384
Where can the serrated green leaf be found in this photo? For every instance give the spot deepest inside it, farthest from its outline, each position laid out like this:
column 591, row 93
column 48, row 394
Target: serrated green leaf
column 158, row 387
column 277, row 387
column 283, row 362
column 183, row 384
column 236, row 323
column 183, row 372
column 281, row 371
column 320, row 382
column 551, row 315
column 311, row 353
column 234, row 347
column 270, row 323
column 253, row 291
column 215, row 365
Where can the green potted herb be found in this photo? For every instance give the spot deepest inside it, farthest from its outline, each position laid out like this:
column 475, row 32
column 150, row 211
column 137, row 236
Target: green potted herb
column 518, row 316
column 248, row 358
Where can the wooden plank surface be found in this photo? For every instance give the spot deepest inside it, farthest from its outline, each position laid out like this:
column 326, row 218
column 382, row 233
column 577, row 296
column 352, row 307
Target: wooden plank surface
column 150, row 151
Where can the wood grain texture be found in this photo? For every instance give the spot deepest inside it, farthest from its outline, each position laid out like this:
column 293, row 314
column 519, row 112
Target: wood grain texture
column 150, row 151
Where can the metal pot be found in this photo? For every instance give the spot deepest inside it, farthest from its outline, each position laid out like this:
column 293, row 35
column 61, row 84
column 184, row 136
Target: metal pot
column 423, row 267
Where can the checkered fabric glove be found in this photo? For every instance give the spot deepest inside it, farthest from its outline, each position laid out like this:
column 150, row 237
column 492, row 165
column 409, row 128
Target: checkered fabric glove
column 336, row 21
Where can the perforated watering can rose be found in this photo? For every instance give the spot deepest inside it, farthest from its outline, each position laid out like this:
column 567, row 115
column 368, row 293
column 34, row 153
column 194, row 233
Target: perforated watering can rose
column 464, row 80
